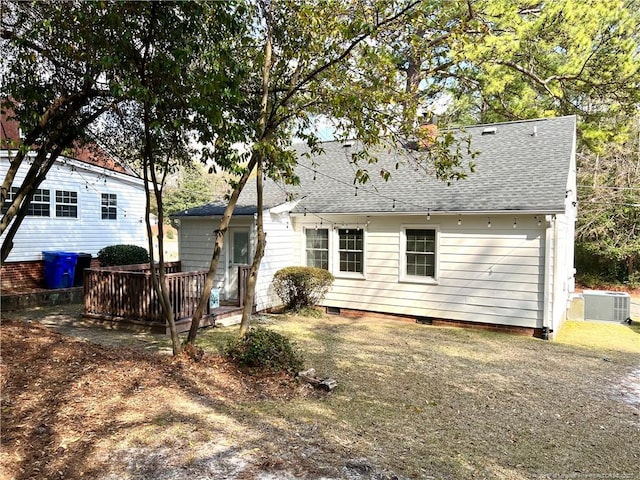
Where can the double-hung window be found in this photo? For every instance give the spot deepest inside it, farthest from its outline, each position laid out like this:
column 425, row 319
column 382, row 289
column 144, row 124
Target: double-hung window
column 39, row 206
column 317, row 248
column 419, row 256
column 351, row 250
column 66, row 204
column 109, row 206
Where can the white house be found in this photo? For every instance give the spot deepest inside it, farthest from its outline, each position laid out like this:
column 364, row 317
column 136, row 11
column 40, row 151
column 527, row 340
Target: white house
column 81, row 207
column 494, row 250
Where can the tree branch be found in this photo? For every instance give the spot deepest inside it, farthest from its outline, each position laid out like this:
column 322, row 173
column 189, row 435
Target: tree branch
column 345, row 53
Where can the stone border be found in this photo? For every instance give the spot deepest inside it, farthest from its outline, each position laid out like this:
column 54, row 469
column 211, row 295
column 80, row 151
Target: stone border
column 41, row 298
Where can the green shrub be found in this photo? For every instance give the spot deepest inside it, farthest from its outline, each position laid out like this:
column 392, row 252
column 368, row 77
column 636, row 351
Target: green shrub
column 265, row 349
column 114, row 255
column 634, row 280
column 302, row 287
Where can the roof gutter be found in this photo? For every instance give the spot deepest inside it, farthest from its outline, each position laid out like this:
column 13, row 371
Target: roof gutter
column 435, row 213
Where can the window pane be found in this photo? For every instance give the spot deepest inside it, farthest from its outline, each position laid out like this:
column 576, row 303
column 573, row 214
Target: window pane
column 241, row 247
column 39, row 206
column 421, row 240
column 318, row 238
column 351, row 250
column 420, row 252
column 109, row 206
column 66, row 204
column 11, row 195
column 317, row 248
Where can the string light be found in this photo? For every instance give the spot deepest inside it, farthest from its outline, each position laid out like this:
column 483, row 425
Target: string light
column 489, row 222
column 515, row 223
column 459, row 220
column 428, row 214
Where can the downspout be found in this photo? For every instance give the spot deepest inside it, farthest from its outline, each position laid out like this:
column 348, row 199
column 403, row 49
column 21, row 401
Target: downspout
column 547, row 314
column 555, row 292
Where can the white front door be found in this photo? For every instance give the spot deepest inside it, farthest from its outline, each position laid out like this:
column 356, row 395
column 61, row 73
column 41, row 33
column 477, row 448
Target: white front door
column 238, row 255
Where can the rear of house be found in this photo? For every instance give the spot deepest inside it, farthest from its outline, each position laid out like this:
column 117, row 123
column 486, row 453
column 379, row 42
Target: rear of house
column 494, row 250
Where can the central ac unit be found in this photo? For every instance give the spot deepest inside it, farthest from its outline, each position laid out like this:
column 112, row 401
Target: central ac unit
column 606, row 306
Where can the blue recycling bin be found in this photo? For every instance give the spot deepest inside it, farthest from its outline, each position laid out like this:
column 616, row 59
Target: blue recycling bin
column 59, row 268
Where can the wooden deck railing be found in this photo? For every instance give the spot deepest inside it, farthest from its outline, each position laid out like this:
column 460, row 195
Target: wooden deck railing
column 127, row 292
column 243, row 278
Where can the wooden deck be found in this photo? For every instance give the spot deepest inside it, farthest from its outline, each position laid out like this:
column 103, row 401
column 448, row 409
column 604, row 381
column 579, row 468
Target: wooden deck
column 126, row 294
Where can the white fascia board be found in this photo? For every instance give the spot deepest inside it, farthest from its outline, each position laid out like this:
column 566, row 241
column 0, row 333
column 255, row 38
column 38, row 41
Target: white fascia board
column 79, row 164
column 110, row 174
column 284, row 207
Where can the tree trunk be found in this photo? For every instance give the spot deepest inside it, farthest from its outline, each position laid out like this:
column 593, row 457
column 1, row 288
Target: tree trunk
column 159, row 280
column 35, row 176
column 247, row 308
column 262, row 135
column 217, row 250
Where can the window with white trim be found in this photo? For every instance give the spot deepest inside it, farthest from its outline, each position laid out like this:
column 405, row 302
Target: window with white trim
column 419, row 254
column 40, row 202
column 66, row 204
column 317, row 247
column 109, row 206
column 351, row 250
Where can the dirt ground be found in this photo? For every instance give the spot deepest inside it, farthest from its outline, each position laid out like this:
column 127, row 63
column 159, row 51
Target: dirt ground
column 412, row 402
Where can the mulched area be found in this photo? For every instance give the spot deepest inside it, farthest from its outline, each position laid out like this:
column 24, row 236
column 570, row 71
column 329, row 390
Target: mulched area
column 61, row 396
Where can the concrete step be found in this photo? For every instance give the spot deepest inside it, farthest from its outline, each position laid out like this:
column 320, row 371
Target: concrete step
column 229, row 321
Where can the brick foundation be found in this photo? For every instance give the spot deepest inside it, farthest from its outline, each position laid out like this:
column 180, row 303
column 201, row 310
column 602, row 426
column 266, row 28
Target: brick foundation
column 17, row 277
column 442, row 322
column 24, row 277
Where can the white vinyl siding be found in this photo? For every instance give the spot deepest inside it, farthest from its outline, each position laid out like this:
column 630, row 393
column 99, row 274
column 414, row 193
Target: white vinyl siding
column 87, row 233
column 490, row 275
column 197, row 238
column 278, row 254
column 196, row 242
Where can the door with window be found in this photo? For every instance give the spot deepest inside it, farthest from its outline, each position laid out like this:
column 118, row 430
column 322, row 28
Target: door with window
column 238, row 255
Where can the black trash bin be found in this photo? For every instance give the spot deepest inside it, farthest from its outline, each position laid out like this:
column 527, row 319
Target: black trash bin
column 84, row 261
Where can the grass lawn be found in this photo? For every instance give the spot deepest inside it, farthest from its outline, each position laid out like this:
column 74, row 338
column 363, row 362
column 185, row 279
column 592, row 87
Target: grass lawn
column 412, row 401
column 601, row 335
column 455, row 403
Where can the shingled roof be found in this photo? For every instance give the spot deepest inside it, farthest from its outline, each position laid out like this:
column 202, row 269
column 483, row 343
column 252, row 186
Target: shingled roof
column 521, row 166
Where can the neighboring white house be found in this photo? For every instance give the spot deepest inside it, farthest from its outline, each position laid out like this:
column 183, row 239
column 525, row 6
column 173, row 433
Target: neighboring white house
column 80, row 207
column 495, row 249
